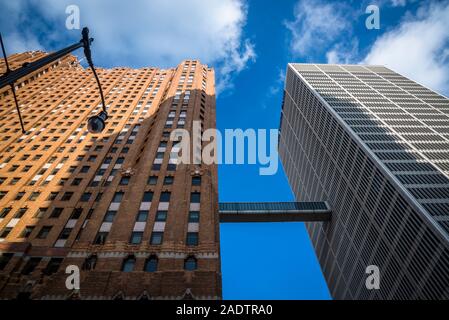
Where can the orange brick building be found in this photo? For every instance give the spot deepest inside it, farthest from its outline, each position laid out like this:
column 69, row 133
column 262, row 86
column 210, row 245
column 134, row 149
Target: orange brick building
column 116, row 204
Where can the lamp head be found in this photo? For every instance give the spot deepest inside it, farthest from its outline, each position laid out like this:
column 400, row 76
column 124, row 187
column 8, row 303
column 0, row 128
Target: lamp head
column 96, row 124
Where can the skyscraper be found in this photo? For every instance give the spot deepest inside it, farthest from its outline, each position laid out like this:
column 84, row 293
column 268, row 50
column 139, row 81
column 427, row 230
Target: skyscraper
column 375, row 146
column 117, row 205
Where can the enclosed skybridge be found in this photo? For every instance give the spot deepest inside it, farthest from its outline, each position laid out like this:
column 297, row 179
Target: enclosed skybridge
column 274, row 211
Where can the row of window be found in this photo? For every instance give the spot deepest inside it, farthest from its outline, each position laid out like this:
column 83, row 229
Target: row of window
column 128, row 265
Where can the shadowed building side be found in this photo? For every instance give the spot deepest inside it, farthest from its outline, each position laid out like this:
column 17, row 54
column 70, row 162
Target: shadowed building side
column 373, row 144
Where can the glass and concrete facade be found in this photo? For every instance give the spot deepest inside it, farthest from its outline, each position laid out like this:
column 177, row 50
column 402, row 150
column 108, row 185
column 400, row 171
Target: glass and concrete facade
column 116, row 204
column 375, row 146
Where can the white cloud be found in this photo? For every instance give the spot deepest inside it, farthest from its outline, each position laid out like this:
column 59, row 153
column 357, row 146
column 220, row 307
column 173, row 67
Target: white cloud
column 143, row 33
column 317, row 25
column 417, row 48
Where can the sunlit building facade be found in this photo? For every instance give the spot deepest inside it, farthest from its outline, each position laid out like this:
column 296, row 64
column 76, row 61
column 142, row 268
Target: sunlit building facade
column 117, row 205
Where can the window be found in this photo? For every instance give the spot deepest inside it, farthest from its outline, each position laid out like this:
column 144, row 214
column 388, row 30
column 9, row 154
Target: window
column 67, row 196
column 147, row 196
column 100, row 238
column 136, row 237
column 53, row 266
column 20, row 213
column 19, row 196
column 194, row 216
column 118, row 196
column 165, row 197
column 142, row 216
column 76, row 181
column 56, row 212
column 65, row 234
column 156, row 238
column 195, row 197
column 128, row 264
column 14, row 181
column 40, row 212
column 3, row 194
column 190, row 264
column 168, row 180
column 161, row 216
column 120, row 160
column 27, row 232
column 156, row 167
column 152, row 180
column 44, row 232
column 192, row 238
column 196, row 181
column 171, row 167
column 31, row 264
column 34, row 196
column 5, row 232
column 124, row 181
column 85, row 169
column 76, row 213
column 4, row 259
column 109, row 216
column 5, row 212
column 125, row 150
column 90, row 263
column 92, row 158
column 52, row 196
column 151, row 264
column 86, row 196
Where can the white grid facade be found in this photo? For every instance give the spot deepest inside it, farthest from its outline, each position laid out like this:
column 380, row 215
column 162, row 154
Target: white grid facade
column 375, row 145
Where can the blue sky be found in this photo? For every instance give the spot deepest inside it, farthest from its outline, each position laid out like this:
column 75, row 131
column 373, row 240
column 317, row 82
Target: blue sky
column 249, row 43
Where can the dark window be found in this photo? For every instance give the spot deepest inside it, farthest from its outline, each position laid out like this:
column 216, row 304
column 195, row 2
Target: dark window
column 65, row 234
column 110, row 215
column 118, row 196
column 152, row 180
column 76, row 213
column 53, row 266
column 5, row 232
column 56, row 212
column 120, row 160
column 124, row 181
column 168, row 180
column 52, row 196
column 194, row 216
column 85, row 169
column 125, row 150
column 156, row 238
column 3, row 194
column 195, row 197
column 147, row 197
column 44, row 232
column 31, row 264
column 128, row 264
column 34, row 196
column 161, row 216
column 136, row 237
column 90, row 263
column 40, row 212
column 67, row 196
column 27, row 231
column 86, row 196
column 4, row 259
column 192, row 238
column 100, row 238
column 20, row 213
column 165, row 197
column 156, row 167
column 92, row 158
column 19, row 196
column 76, row 181
column 142, row 216
column 5, row 212
column 196, row 181
column 151, row 264
column 190, row 264
column 171, row 167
